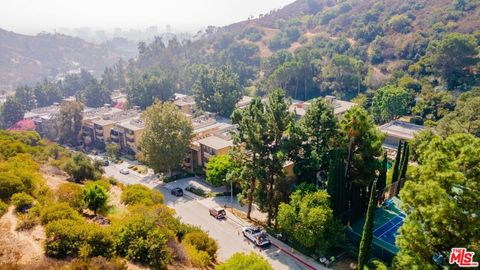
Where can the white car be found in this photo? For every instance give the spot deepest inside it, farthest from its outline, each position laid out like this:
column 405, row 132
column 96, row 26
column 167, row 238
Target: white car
column 256, row 235
column 124, row 171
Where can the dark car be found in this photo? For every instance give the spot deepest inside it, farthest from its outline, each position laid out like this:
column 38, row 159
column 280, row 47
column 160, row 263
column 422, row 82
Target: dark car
column 177, row 192
column 217, row 212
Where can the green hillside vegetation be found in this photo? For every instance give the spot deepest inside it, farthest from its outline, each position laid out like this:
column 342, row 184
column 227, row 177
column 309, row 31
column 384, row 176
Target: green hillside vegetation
column 146, row 232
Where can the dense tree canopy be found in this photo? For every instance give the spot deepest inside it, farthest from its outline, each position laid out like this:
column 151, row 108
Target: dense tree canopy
column 440, row 199
column 217, row 90
column 390, row 102
column 166, row 137
column 309, row 220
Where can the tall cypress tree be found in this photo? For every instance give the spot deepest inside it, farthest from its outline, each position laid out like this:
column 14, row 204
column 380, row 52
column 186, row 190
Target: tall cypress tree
column 382, row 178
column 367, row 234
column 403, row 171
column 398, row 161
column 336, row 186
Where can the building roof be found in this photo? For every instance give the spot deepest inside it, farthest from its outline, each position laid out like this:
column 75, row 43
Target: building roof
column 339, row 106
column 183, row 100
column 401, row 130
column 39, row 112
column 133, row 124
column 216, row 142
column 116, row 116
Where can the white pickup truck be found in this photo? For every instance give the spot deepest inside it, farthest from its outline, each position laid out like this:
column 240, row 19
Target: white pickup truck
column 256, row 235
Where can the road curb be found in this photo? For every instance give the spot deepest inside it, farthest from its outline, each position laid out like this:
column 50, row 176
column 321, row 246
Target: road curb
column 294, row 256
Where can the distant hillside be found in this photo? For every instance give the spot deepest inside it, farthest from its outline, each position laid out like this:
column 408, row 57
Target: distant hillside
column 27, row 59
column 372, row 41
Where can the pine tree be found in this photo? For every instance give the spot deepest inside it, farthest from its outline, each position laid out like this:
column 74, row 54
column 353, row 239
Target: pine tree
column 367, row 235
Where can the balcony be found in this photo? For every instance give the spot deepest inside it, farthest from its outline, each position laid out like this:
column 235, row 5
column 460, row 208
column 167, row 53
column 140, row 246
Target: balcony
column 130, row 140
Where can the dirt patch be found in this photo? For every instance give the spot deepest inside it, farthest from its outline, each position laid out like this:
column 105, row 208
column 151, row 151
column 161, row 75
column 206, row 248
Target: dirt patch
column 53, row 176
column 22, row 248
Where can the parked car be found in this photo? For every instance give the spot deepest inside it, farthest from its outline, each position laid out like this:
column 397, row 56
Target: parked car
column 217, row 212
column 177, row 192
column 124, row 171
column 106, row 162
column 256, row 235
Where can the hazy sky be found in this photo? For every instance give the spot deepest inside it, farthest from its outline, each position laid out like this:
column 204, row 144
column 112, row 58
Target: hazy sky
column 31, row 16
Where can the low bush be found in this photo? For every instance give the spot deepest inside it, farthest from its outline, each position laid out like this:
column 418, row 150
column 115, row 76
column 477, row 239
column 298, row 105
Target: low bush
column 77, row 238
column 3, row 208
column 201, row 241
column 198, row 258
column 22, row 201
column 240, row 261
column 136, row 194
column 58, row 211
column 64, row 238
column 72, row 194
column 26, row 221
column 196, row 191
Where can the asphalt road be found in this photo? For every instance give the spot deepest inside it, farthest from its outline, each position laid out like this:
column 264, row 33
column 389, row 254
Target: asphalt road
column 227, row 232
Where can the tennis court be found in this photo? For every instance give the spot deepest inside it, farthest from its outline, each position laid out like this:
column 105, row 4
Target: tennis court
column 388, row 231
column 385, row 230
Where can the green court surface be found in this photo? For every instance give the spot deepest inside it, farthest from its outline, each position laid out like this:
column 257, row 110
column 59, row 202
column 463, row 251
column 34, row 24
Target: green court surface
column 385, row 228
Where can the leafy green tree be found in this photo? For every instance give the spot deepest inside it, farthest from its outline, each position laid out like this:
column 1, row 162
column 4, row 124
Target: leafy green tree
column 150, row 86
column 74, row 84
column 367, row 234
column 319, row 130
column 453, row 57
column 166, row 137
column 217, row 169
column 465, row 118
column 218, row 90
column 308, row 219
column 80, row 167
column 70, row 122
column 95, row 197
column 12, row 112
column 22, row 201
column 433, row 105
column 113, row 150
column 25, row 96
column 343, row 75
column 400, row 23
column 47, row 93
column 96, row 95
column 240, row 261
column 440, row 198
column 390, row 103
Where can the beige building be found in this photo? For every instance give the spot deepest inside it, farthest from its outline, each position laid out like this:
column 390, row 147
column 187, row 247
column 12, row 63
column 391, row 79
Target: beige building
column 128, row 134
column 398, row 130
column 339, row 106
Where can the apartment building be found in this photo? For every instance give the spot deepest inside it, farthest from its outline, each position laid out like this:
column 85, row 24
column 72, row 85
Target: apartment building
column 185, row 103
column 102, row 126
column 128, row 134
